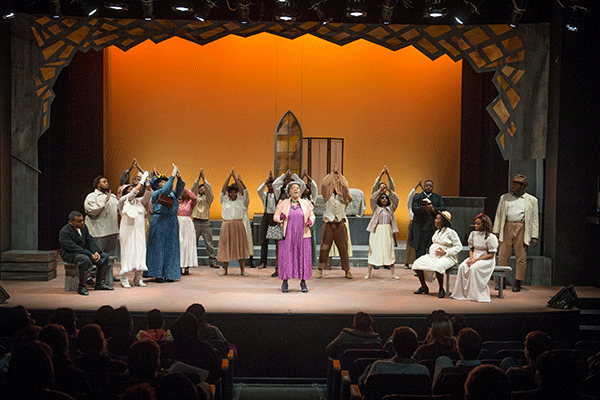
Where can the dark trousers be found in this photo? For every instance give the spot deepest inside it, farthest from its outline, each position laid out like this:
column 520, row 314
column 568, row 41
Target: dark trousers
column 265, row 222
column 84, row 262
column 334, row 232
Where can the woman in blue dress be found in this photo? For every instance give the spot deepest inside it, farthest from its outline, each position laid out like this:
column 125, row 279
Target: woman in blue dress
column 162, row 252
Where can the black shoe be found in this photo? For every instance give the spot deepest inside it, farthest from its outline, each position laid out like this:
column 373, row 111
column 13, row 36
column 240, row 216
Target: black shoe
column 89, row 281
column 170, row 280
column 517, row 286
column 275, row 274
column 214, row 265
column 159, row 280
column 102, row 286
column 421, row 290
column 115, row 279
column 386, row 267
column 284, row 287
column 303, row 286
column 442, row 293
column 82, row 290
column 375, row 266
column 186, row 271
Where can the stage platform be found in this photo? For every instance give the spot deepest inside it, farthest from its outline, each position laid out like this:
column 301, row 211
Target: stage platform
column 283, row 335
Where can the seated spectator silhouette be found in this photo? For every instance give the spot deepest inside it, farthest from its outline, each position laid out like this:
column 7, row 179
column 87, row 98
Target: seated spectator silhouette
column 591, row 384
column 448, row 379
column 66, row 318
column 156, row 325
column 141, row 391
column 523, row 378
column 187, row 347
column 439, row 341
column 206, row 330
column 25, row 336
column 91, row 344
column 458, row 324
column 13, row 320
column 487, row 382
column 30, row 374
column 405, row 343
column 361, row 332
column 103, row 318
column 68, row 378
column 121, row 337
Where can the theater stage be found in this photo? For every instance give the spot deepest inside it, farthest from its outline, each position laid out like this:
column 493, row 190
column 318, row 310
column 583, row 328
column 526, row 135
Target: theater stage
column 292, row 329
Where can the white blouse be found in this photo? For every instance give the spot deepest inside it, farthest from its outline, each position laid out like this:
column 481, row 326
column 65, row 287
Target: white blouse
column 232, row 209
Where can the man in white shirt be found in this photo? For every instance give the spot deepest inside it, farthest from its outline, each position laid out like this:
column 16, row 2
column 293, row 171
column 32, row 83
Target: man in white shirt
column 516, row 225
column 102, row 218
column 201, row 216
column 336, row 196
column 269, row 200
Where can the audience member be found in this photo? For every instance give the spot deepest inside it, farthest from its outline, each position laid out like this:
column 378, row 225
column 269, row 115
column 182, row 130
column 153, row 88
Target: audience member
column 558, row 376
column 361, row 332
column 91, row 343
column 523, row 378
column 121, row 337
column 458, row 324
column 156, row 325
column 66, row 318
column 206, row 331
column 187, row 347
column 405, row 343
column 141, row 391
column 103, row 318
column 13, row 320
column 439, row 341
column 68, row 378
column 487, row 382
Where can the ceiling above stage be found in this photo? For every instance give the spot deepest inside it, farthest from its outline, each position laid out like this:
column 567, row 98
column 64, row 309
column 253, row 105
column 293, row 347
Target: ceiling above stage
column 400, row 11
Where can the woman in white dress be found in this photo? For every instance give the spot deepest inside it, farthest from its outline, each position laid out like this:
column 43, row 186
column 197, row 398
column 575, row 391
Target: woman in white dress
column 442, row 254
column 132, row 232
column 382, row 226
column 188, row 247
column 475, row 272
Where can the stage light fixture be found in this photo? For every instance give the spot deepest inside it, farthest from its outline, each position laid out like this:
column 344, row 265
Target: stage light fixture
column 205, row 9
column 88, row 9
column 387, row 11
column 8, row 14
column 243, row 9
column 434, row 9
column 148, row 9
column 572, row 24
column 356, row 9
column 182, row 6
column 285, row 11
column 55, row 7
column 517, row 13
column 463, row 13
column 117, row 5
column 317, row 5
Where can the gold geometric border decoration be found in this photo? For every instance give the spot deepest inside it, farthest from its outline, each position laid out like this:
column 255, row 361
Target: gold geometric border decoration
column 486, row 47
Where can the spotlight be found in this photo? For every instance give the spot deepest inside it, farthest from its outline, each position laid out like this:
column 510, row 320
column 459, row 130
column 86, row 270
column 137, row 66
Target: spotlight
column 387, row 11
column 317, row 5
column 243, row 9
column 88, row 9
column 434, row 9
column 116, row 5
column 148, row 9
column 572, row 23
column 356, row 9
column 205, row 9
column 182, row 6
column 517, row 13
column 55, row 5
column 284, row 11
column 8, row 14
column 463, row 13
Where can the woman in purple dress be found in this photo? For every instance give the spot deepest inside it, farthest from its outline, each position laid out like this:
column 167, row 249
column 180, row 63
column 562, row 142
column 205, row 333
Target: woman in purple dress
column 295, row 259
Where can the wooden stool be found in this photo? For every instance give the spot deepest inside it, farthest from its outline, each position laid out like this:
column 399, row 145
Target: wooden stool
column 71, row 277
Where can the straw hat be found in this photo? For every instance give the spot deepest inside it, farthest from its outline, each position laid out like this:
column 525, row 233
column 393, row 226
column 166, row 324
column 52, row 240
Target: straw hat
column 447, row 216
column 522, row 179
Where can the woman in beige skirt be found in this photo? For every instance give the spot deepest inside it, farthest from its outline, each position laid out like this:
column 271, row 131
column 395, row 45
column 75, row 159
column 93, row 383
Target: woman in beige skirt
column 233, row 244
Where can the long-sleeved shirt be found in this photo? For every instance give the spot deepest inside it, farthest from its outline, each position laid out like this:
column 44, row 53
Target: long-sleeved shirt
column 203, row 202
column 278, row 185
column 269, row 200
column 102, row 216
column 167, row 190
column 186, row 207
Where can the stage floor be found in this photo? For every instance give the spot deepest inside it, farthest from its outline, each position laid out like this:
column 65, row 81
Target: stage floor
column 261, row 294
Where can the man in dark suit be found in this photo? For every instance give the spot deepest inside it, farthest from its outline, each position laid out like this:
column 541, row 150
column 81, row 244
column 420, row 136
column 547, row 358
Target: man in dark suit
column 77, row 246
column 425, row 207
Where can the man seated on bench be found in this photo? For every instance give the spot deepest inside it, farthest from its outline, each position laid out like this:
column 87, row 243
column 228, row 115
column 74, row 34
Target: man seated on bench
column 77, row 246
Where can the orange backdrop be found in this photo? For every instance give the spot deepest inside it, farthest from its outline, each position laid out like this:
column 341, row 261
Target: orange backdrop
column 217, row 106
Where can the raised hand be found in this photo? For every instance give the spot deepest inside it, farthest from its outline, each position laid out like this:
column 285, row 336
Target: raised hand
column 108, row 196
column 175, row 170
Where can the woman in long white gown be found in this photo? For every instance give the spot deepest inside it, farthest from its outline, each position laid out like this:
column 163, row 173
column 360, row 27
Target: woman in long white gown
column 475, row 272
column 442, row 254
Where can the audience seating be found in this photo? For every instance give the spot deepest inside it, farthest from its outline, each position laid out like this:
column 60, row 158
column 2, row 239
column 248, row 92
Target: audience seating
column 517, row 354
column 334, row 369
column 226, row 355
column 495, row 345
column 379, row 385
column 351, row 370
column 417, row 397
column 430, row 364
column 451, row 381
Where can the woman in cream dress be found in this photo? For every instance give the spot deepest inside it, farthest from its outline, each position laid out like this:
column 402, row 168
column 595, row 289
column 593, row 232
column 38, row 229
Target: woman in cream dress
column 475, row 272
column 442, row 254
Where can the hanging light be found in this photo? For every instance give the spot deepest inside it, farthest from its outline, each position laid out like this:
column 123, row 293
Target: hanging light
column 182, row 6
column 434, row 9
column 517, row 13
column 317, row 5
column 356, row 9
column 464, row 12
column 117, row 5
column 207, row 5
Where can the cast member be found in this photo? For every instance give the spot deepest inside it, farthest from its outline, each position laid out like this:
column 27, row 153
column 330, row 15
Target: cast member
column 516, row 225
column 442, row 254
column 188, row 251
column 246, row 221
column 475, row 272
column 201, row 215
column 425, row 206
column 310, row 193
column 162, row 251
column 269, row 201
column 410, row 255
column 295, row 259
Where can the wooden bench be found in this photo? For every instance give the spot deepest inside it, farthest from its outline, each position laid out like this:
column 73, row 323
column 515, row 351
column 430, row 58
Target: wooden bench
column 71, row 276
column 500, row 272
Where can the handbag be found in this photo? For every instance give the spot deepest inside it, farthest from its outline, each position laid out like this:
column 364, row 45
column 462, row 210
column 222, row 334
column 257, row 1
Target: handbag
column 275, row 232
column 164, row 201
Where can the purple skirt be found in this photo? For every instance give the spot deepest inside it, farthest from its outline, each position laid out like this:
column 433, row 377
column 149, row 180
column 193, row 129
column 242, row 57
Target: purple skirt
column 295, row 255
